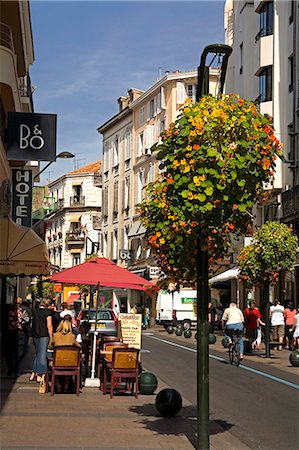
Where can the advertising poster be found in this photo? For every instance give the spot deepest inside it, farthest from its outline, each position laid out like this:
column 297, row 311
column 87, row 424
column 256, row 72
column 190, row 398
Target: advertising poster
column 130, row 329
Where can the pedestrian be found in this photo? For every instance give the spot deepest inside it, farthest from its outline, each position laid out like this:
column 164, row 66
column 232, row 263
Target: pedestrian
column 256, row 345
column 295, row 331
column 66, row 310
column 233, row 319
column 42, row 332
column 289, row 315
column 251, row 316
column 56, row 319
column 277, row 322
column 212, row 317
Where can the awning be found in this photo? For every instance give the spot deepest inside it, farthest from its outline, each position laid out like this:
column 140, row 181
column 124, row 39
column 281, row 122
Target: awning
column 22, row 251
column 227, row 275
column 77, row 183
column 137, row 229
column 75, row 217
column 72, row 297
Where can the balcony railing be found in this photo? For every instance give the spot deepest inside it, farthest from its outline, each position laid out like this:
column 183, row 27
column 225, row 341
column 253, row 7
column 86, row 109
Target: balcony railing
column 77, row 200
column 75, row 239
column 6, row 39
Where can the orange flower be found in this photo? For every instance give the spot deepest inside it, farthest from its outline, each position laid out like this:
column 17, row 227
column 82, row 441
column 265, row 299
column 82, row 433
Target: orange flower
column 235, row 206
column 170, row 180
column 196, row 147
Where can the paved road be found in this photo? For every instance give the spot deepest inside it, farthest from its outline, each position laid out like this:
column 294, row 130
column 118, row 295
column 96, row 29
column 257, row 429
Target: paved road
column 259, row 410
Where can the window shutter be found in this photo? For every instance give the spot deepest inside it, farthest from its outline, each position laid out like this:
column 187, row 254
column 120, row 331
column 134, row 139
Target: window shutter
column 158, row 103
column 180, row 93
column 115, row 198
column 155, row 106
column 163, row 103
column 149, row 136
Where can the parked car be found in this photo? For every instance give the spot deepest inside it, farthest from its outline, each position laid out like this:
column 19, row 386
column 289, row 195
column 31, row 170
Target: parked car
column 106, row 320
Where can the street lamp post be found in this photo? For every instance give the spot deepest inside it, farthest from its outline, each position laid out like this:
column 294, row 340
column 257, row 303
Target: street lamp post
column 202, row 268
column 63, row 155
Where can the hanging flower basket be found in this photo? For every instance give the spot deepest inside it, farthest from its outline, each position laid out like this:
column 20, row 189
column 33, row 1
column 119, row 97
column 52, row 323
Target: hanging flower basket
column 215, row 159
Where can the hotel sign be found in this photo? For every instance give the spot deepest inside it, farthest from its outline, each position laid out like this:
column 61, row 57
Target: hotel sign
column 22, row 197
column 31, row 137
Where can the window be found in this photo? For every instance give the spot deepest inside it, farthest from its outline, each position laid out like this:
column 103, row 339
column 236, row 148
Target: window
column 106, row 157
column 127, row 145
column 180, row 93
column 162, row 125
column 114, row 245
column 139, row 187
column 115, row 198
column 115, row 152
column 150, row 175
column 140, row 144
column 266, row 19
column 76, row 259
column 151, row 108
column 241, row 58
column 265, row 79
column 291, row 73
column 191, row 91
column 141, row 115
column 149, row 136
column 127, row 192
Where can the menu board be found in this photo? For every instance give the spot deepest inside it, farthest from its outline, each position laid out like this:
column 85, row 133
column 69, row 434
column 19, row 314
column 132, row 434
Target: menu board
column 129, row 329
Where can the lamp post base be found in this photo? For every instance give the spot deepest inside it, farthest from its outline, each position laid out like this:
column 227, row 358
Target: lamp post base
column 92, row 382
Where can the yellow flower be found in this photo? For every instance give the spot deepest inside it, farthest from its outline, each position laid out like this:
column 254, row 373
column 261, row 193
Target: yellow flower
column 189, row 148
column 162, row 241
column 205, row 112
column 185, row 169
column 186, row 110
column 192, row 133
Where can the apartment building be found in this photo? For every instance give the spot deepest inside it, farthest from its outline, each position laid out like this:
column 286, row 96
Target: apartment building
column 129, row 165
column 73, row 225
column 264, row 67
column 16, row 57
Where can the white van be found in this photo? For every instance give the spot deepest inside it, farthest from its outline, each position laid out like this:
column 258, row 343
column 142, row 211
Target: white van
column 176, row 308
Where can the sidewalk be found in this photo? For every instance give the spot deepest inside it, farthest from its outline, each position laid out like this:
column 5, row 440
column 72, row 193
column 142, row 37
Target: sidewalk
column 93, row 421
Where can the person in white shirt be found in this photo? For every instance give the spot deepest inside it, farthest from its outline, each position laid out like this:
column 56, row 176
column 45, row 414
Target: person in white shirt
column 233, row 319
column 277, row 322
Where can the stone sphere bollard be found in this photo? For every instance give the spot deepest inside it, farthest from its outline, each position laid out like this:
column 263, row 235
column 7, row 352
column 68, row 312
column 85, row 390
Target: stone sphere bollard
column 170, row 329
column 168, row 402
column 147, row 383
column 294, row 359
column 188, row 333
column 212, row 338
column 179, row 331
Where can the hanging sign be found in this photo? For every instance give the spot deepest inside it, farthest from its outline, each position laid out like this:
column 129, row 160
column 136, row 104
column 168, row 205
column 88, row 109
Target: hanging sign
column 31, row 137
column 22, row 197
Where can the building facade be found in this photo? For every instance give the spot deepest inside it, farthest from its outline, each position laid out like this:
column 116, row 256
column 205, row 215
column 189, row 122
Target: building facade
column 264, row 67
column 73, row 225
column 129, row 165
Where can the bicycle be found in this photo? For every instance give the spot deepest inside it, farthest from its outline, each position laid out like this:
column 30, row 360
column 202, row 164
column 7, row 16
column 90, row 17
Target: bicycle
column 234, row 348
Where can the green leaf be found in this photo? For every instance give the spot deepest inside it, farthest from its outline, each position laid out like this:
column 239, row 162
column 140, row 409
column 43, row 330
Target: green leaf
column 220, row 187
column 211, row 152
column 241, row 183
column 202, row 197
column 242, row 208
column 185, row 131
column 209, row 191
column 185, row 194
column 225, row 198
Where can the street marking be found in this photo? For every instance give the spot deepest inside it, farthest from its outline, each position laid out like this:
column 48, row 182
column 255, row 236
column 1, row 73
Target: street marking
column 241, row 366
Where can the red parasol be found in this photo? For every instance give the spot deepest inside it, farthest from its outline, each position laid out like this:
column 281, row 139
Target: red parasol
column 103, row 272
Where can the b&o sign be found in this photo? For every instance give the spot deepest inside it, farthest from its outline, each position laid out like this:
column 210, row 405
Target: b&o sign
column 31, row 137
column 22, row 196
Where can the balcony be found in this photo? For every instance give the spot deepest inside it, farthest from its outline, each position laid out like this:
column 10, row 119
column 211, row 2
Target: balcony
column 6, row 39
column 77, row 200
column 75, row 239
column 290, row 205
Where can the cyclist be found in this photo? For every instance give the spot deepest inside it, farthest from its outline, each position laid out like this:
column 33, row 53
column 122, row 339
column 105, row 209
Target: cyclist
column 233, row 319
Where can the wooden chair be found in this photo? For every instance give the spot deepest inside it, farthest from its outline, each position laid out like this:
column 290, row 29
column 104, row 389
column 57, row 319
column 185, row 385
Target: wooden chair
column 124, row 367
column 105, row 361
column 66, row 362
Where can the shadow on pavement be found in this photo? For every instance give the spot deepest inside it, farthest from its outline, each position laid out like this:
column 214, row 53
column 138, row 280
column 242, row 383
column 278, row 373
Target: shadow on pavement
column 184, row 422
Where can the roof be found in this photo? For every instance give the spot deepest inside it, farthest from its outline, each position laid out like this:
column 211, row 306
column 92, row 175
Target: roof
column 92, row 167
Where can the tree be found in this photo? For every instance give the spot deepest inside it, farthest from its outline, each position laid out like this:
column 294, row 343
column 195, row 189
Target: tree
column 214, row 160
column 272, row 251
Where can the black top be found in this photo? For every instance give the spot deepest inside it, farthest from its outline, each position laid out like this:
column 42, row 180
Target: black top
column 39, row 322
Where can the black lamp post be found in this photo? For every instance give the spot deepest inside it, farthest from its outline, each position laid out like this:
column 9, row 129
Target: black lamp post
column 202, row 268
column 63, row 155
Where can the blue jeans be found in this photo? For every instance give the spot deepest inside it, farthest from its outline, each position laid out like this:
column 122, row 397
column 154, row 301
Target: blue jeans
column 236, row 326
column 40, row 362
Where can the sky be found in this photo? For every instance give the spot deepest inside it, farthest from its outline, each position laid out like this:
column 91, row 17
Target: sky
column 89, row 53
